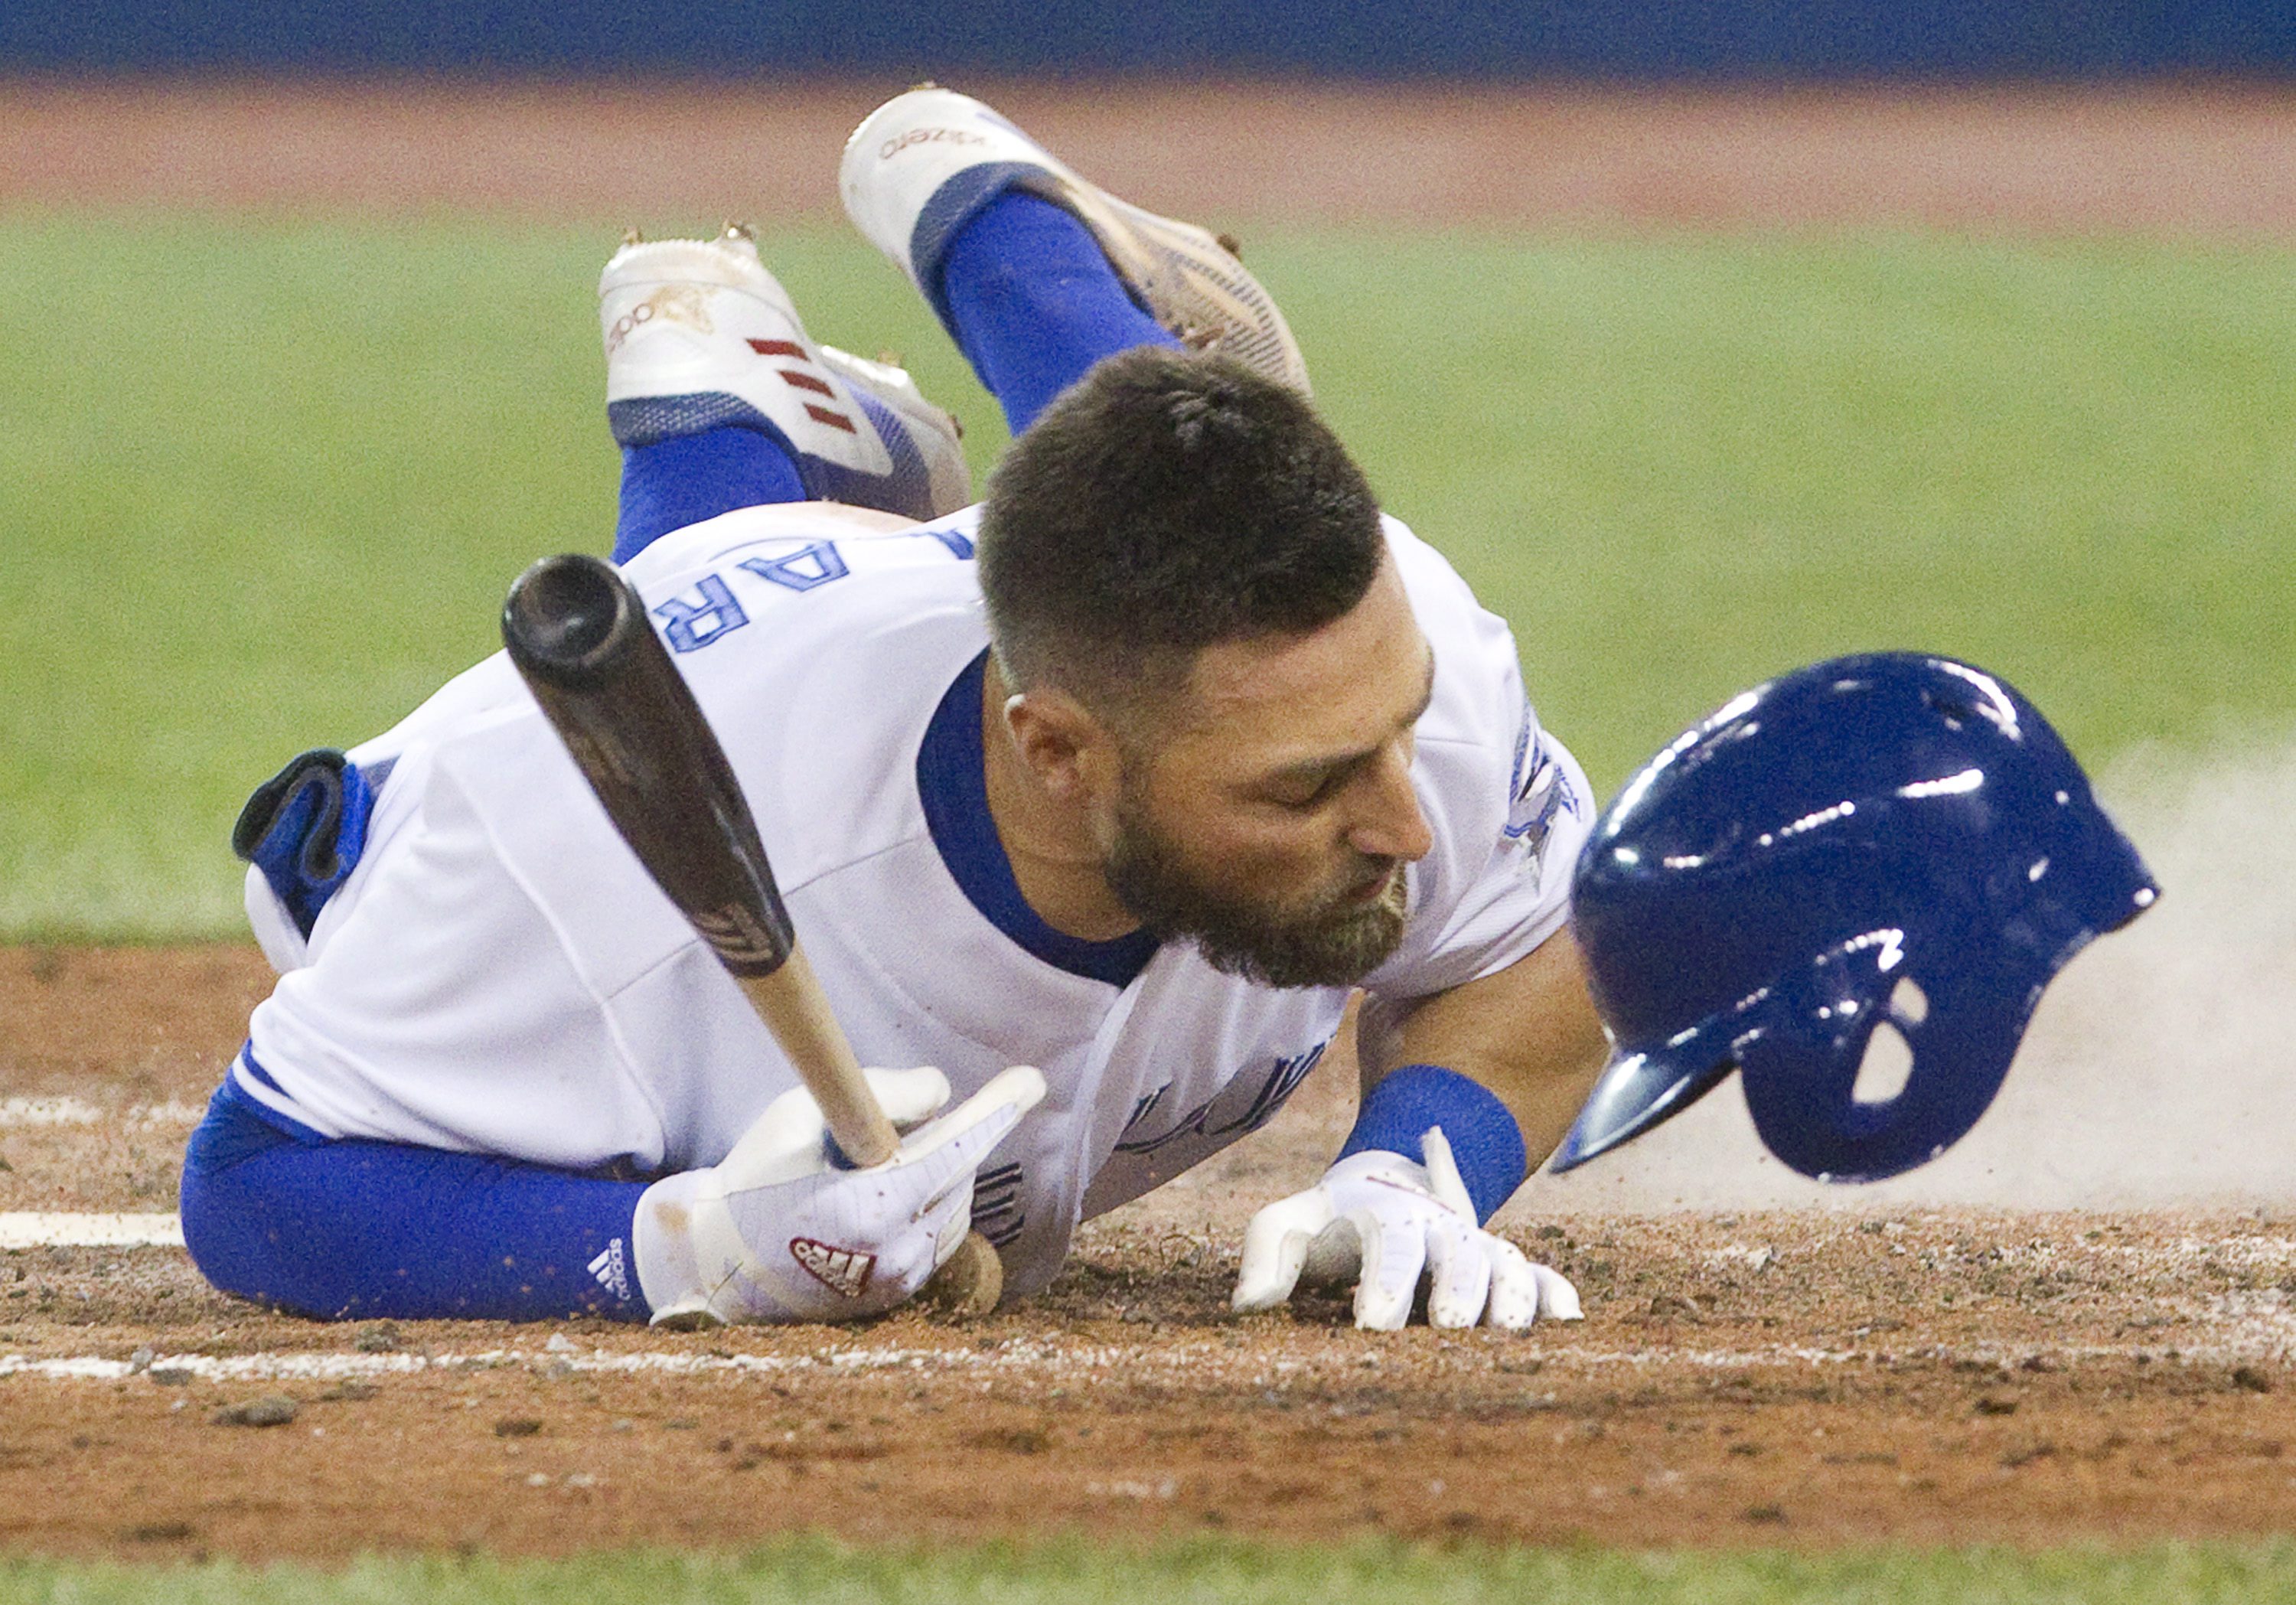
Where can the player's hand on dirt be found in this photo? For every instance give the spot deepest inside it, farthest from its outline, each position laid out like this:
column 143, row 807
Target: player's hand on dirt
column 782, row 1229
column 1386, row 1223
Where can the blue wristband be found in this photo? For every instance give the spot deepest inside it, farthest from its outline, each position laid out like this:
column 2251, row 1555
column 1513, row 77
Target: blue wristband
column 1485, row 1141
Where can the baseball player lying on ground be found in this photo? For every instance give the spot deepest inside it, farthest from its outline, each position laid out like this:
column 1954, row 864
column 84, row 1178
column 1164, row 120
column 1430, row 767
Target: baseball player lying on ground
column 1131, row 772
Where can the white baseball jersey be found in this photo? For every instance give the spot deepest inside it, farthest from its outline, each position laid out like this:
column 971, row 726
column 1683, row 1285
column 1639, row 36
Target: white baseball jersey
column 499, row 975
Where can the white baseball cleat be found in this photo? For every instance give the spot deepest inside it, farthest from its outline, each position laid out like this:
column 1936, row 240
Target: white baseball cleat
column 699, row 334
column 921, row 166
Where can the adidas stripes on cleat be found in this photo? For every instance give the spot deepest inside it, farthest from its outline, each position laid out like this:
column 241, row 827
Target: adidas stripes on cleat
column 699, row 335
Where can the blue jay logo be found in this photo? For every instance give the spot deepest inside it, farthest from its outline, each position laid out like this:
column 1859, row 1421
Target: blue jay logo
column 1542, row 792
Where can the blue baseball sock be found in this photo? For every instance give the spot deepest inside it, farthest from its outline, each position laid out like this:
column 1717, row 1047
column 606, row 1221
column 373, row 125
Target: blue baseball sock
column 356, row 1230
column 689, row 478
column 1034, row 303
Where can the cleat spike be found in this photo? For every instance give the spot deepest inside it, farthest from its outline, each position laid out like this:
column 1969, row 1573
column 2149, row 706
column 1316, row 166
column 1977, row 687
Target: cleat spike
column 1231, row 244
column 632, row 235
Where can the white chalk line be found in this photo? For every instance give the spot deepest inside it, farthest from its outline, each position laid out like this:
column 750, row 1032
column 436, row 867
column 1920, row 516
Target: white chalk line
column 57, row 1229
column 1206, row 1363
column 2250, row 1328
column 79, row 1111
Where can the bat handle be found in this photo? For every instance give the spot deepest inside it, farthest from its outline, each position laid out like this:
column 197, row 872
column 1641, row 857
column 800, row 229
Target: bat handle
column 796, row 1009
column 797, row 1012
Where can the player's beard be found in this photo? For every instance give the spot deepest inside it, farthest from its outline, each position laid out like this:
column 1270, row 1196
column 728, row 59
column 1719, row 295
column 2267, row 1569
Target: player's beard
column 1333, row 941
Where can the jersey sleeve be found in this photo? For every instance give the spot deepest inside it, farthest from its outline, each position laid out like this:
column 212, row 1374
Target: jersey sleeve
column 1520, row 894
column 1508, row 806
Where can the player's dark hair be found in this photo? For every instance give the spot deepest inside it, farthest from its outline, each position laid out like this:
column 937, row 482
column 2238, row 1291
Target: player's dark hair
column 1165, row 502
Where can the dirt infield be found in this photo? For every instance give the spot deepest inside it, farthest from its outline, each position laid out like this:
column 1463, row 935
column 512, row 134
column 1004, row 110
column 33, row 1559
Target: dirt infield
column 1739, row 1379
column 2212, row 160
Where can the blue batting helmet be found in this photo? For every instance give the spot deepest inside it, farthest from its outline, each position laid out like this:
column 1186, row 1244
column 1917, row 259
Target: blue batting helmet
column 1892, row 838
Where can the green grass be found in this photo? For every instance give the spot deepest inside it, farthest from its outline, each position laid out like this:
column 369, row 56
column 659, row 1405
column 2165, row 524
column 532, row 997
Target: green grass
column 265, row 483
column 1679, row 467
column 807, row 1572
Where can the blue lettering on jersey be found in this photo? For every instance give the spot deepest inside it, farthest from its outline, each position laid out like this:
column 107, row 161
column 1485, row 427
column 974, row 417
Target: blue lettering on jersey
column 997, row 1194
column 809, row 566
column 708, row 611
column 693, row 624
column 1217, row 1116
column 1145, row 1103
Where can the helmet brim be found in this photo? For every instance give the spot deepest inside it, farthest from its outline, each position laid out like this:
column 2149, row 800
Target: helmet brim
column 1642, row 1089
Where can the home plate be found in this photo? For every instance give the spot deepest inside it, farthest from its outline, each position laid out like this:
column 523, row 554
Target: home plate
column 38, row 1229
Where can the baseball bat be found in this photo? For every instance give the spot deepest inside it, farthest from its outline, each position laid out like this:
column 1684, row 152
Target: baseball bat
column 578, row 636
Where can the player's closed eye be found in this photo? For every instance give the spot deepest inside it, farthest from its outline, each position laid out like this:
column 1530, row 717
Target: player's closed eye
column 1302, row 798
column 1304, row 792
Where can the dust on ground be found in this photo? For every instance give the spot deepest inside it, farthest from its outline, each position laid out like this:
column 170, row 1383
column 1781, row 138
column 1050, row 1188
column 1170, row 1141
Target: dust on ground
column 1897, row 1371
column 2159, row 1070
column 1913, row 1375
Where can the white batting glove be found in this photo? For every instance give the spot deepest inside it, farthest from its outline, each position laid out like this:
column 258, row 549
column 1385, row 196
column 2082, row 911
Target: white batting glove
column 776, row 1232
column 1379, row 1220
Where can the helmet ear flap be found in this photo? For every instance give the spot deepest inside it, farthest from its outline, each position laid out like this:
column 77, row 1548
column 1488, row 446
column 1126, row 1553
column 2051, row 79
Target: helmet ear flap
column 1802, row 1069
column 1886, row 1066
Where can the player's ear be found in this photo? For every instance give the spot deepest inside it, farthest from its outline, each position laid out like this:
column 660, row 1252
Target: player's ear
column 1069, row 751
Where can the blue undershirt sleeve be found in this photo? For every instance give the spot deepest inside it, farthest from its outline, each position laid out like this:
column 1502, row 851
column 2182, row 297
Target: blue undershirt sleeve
column 1485, row 1141
column 360, row 1230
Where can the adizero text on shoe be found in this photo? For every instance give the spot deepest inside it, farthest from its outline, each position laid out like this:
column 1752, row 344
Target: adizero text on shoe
column 921, row 165
column 699, row 335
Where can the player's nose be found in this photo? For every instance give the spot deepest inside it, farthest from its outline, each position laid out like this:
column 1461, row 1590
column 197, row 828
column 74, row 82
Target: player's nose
column 1391, row 825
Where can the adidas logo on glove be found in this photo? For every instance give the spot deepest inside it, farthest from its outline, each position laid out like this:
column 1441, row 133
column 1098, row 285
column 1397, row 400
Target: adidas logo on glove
column 842, row 1270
